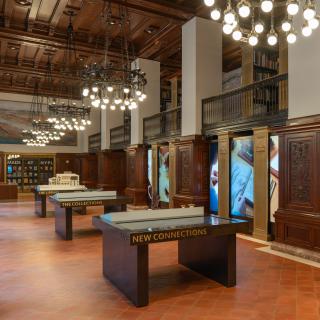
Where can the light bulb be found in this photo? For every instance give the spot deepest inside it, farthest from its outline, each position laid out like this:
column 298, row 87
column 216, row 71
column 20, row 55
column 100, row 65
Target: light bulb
column 237, row 35
column 306, row 30
column 122, row 108
column 138, row 93
column 272, row 38
column 82, row 128
column 105, row 100
column 244, row 9
column 209, row 3
column 286, row 26
column 126, row 90
column 144, row 96
column 113, row 107
column 309, row 12
column 292, row 7
column 258, row 27
column 314, row 23
column 215, row 14
column 110, row 89
column 103, row 107
column 85, row 92
column 253, row 39
column 140, row 99
column 92, row 96
column 134, row 105
column 266, row 5
column 291, row 37
column 227, row 28
column 229, row 16
column 95, row 88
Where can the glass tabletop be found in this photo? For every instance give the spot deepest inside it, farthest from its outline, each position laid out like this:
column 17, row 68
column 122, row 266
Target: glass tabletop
column 175, row 223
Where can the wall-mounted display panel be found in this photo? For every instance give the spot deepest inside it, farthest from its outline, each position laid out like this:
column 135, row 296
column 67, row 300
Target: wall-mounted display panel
column 274, row 176
column 164, row 173
column 242, row 175
column 150, row 191
column 214, row 177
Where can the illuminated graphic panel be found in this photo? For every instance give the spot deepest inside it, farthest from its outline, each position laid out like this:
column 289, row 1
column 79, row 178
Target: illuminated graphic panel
column 241, row 181
column 214, row 177
column 274, row 175
column 150, row 175
column 164, row 173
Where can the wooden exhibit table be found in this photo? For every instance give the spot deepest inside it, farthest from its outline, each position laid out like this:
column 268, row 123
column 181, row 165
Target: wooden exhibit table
column 8, row 191
column 65, row 203
column 41, row 192
column 206, row 244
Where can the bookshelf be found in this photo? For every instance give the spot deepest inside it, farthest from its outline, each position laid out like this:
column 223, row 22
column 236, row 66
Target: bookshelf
column 94, row 142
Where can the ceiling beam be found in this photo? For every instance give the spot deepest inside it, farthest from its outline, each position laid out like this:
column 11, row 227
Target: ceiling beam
column 3, row 50
column 57, row 13
column 32, row 14
column 7, row 12
column 21, row 53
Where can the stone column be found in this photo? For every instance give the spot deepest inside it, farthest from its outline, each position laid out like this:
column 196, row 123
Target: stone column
column 261, row 184
column 224, row 174
column 201, row 70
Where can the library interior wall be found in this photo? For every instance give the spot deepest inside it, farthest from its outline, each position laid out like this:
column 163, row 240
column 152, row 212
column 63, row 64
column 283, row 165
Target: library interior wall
column 82, row 141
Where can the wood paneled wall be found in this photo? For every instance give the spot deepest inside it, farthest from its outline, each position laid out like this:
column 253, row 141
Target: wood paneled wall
column 112, row 170
column 2, row 168
column 65, row 162
column 86, row 166
column 192, row 172
column 137, row 168
column 298, row 217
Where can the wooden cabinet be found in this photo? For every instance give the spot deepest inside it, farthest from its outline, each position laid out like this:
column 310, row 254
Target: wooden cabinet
column 298, row 216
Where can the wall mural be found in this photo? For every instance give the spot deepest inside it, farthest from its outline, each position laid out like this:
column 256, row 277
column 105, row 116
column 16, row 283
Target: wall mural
column 214, row 177
column 242, row 177
column 164, row 173
column 15, row 118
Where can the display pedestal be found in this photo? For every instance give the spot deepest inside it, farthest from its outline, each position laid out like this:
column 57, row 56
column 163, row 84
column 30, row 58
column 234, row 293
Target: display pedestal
column 192, row 172
column 137, row 168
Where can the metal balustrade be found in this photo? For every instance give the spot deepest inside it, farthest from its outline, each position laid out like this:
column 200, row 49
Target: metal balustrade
column 120, row 137
column 261, row 103
column 163, row 125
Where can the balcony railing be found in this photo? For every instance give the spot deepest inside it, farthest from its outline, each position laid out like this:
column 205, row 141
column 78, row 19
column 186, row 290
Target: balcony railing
column 261, row 103
column 120, row 137
column 163, row 125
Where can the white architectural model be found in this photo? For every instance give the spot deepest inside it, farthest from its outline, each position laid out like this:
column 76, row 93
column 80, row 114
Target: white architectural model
column 66, row 179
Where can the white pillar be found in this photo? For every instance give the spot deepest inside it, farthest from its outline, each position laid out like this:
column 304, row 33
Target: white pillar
column 201, row 69
column 151, row 105
column 109, row 119
column 303, row 72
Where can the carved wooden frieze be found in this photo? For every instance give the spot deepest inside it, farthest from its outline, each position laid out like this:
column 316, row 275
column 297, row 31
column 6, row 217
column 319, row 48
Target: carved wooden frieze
column 301, row 171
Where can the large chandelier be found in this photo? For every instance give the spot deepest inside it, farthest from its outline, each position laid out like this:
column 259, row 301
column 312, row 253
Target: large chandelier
column 235, row 17
column 68, row 113
column 114, row 86
column 42, row 132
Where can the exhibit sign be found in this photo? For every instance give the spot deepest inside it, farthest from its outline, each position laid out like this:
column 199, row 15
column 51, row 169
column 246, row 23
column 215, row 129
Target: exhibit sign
column 214, row 178
column 164, row 173
column 242, row 175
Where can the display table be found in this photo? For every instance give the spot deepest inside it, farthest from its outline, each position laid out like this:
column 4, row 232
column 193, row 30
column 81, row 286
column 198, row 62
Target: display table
column 206, row 244
column 65, row 202
column 8, row 191
column 42, row 191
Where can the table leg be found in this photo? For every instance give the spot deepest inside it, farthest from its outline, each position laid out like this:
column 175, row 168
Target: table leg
column 126, row 267
column 120, row 208
column 211, row 256
column 41, row 205
column 63, row 222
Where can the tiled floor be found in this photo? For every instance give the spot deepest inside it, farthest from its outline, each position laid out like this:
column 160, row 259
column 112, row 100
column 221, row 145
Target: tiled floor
column 43, row 277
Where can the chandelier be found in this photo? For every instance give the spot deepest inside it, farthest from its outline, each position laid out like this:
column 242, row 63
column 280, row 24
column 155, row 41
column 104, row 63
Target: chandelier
column 114, row 86
column 67, row 113
column 234, row 17
column 42, row 132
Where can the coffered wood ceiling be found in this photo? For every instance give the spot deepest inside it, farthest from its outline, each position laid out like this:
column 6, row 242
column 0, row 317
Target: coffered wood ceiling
column 32, row 30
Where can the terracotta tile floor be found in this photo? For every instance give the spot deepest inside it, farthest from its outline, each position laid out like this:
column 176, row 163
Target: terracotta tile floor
column 43, row 277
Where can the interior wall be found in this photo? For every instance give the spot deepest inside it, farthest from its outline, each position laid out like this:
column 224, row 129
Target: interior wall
column 82, row 141
column 304, row 71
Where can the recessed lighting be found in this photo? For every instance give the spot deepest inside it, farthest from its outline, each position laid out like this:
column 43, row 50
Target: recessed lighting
column 24, row 2
column 13, row 48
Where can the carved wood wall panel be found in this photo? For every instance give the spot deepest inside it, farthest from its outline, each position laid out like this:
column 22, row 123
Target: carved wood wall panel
column 298, row 216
